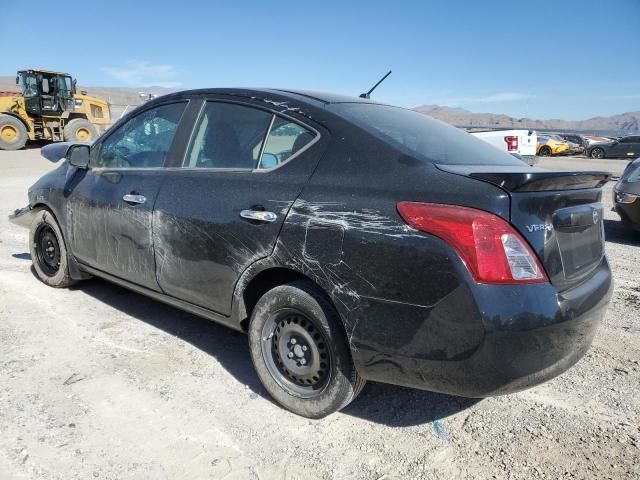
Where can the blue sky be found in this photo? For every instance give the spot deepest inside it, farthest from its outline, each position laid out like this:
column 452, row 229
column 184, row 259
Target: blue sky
column 545, row 59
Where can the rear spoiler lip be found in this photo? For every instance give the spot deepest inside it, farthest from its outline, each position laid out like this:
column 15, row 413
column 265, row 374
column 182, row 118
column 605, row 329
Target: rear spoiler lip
column 526, row 179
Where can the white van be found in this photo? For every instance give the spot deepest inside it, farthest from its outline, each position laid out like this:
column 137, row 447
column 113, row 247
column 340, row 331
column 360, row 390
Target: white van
column 520, row 143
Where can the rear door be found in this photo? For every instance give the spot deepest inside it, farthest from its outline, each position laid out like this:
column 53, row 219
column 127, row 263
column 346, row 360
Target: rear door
column 223, row 204
column 111, row 203
column 634, row 147
column 624, row 148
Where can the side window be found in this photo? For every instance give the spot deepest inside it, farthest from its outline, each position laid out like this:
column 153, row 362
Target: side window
column 286, row 138
column 142, row 142
column 228, row 135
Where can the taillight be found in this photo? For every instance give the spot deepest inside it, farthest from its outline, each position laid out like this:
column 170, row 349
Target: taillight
column 493, row 251
column 512, row 143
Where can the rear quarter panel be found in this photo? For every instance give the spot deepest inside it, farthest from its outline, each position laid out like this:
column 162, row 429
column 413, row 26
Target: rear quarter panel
column 385, row 278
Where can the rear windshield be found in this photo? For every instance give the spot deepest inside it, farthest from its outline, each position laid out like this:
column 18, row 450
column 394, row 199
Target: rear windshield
column 422, row 136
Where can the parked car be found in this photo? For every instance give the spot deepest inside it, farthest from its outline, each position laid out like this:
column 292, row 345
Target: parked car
column 626, row 195
column 551, row 145
column 352, row 241
column 625, row 147
column 519, row 143
column 593, row 139
column 578, row 140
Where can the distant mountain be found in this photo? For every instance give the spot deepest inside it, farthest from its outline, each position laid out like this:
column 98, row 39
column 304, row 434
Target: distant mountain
column 624, row 123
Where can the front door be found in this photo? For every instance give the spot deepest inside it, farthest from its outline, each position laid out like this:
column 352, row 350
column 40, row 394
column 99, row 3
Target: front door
column 111, row 203
column 222, row 208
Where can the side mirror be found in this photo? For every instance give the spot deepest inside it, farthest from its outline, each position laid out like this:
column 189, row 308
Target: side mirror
column 78, row 156
column 269, row 160
column 17, row 80
column 74, row 84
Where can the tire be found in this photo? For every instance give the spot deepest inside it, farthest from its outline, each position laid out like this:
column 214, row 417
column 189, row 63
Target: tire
column 13, row 133
column 300, row 351
column 545, row 152
column 80, row 130
column 597, row 153
column 49, row 252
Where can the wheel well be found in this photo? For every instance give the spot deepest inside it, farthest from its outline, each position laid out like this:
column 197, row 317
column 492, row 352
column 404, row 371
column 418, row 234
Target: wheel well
column 261, row 284
column 73, row 116
column 44, row 206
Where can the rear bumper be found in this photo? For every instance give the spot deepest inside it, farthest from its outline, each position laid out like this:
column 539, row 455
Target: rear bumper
column 509, row 338
column 23, row 216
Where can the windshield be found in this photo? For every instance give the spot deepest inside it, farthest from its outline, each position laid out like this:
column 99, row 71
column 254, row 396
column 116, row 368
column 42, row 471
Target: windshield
column 422, row 136
column 28, row 84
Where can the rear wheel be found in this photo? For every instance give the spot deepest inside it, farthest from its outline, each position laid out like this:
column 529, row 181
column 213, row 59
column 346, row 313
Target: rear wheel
column 300, row 351
column 13, row 133
column 48, row 251
column 597, row 153
column 80, row 130
column 545, row 152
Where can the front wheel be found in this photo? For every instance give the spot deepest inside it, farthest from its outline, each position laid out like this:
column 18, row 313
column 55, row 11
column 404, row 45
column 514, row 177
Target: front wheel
column 13, row 133
column 597, row 153
column 49, row 252
column 300, row 351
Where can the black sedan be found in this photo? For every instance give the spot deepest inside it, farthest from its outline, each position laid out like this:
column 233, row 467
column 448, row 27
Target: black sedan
column 626, row 147
column 626, row 195
column 351, row 240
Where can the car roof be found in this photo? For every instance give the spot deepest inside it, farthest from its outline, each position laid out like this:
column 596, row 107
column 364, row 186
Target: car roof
column 318, row 99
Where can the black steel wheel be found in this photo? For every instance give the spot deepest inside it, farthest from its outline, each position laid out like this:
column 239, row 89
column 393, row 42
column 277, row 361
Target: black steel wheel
column 300, row 350
column 296, row 353
column 47, row 250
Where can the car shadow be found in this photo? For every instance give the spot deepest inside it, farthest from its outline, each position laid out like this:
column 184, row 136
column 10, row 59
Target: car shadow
column 380, row 403
column 22, row 256
column 396, row 406
column 615, row 231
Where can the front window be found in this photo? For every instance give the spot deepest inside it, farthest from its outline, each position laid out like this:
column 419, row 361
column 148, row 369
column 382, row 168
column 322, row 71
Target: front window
column 29, row 85
column 422, row 136
column 142, row 142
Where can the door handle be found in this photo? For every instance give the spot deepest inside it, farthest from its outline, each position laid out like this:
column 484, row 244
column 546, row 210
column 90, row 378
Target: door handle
column 259, row 215
column 133, row 198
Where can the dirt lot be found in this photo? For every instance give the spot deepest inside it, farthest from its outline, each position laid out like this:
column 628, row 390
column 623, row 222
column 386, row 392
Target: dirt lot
column 99, row 382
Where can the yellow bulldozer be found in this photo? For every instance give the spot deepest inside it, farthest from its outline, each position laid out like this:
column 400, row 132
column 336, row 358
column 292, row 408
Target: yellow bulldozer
column 47, row 107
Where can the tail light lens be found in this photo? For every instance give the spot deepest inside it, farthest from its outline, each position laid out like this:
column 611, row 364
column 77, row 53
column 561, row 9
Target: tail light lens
column 493, row 251
column 512, row 143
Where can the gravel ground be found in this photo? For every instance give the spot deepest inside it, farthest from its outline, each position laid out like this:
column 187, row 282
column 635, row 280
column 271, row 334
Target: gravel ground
column 99, row 382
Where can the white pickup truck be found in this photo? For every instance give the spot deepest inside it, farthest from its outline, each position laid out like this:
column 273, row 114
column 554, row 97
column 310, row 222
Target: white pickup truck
column 520, row 143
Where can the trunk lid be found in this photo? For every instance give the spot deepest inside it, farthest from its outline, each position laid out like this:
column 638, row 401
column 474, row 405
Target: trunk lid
column 559, row 213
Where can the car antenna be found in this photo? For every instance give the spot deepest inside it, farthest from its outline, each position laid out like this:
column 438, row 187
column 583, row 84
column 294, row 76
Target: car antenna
column 368, row 94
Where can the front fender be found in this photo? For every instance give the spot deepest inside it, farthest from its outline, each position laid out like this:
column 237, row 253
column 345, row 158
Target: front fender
column 23, row 217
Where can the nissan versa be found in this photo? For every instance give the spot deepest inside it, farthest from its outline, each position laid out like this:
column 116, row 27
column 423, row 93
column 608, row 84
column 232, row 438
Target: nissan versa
column 351, row 240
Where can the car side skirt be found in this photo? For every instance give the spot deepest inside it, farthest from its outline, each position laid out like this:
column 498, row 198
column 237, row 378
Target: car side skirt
column 174, row 302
